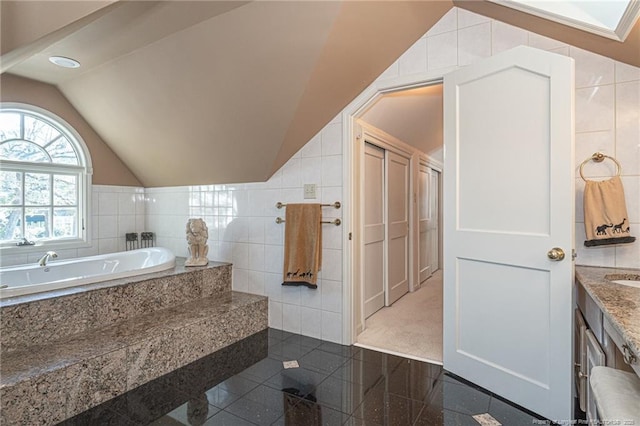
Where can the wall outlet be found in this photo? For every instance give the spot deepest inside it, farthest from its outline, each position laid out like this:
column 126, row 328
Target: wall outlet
column 309, row 191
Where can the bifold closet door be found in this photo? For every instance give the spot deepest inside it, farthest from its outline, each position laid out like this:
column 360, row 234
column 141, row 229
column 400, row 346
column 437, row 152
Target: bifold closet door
column 424, row 221
column 374, row 230
column 434, row 223
column 397, row 170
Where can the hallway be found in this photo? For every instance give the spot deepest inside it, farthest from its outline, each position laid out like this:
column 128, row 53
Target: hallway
column 412, row 326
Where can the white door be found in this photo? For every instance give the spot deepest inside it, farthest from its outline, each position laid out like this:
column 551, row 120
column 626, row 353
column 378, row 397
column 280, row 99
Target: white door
column 374, row 230
column 397, row 170
column 434, row 225
column 508, row 200
column 424, row 221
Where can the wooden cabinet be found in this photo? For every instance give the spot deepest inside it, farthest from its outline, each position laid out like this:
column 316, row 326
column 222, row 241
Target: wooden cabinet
column 612, row 344
column 580, row 358
column 596, row 342
column 594, row 357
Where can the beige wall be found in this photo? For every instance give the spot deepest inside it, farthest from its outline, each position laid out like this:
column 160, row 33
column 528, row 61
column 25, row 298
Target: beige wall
column 108, row 169
column 24, row 22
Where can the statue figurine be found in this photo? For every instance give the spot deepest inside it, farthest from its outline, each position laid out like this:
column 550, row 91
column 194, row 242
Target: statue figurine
column 197, row 235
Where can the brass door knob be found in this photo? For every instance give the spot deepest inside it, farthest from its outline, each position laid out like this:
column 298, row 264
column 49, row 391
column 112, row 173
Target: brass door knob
column 556, row 254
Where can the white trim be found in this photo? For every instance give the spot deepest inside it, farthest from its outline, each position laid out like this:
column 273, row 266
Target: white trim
column 64, row 128
column 384, row 140
column 425, row 160
column 387, row 351
column 351, row 195
column 84, row 171
column 620, row 33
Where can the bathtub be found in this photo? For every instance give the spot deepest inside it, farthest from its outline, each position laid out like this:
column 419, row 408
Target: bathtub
column 27, row 279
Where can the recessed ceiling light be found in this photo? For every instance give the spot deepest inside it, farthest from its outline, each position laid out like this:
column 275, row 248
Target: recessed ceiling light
column 61, row 61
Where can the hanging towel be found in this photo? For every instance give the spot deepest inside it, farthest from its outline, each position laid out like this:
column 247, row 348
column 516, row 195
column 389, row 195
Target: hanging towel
column 605, row 213
column 302, row 245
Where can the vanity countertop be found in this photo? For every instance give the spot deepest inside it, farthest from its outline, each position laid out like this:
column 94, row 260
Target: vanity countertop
column 619, row 303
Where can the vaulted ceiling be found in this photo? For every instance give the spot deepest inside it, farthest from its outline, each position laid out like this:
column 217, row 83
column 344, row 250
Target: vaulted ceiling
column 201, row 92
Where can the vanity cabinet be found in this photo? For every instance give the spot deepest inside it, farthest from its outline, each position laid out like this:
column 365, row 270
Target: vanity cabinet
column 596, row 342
column 594, row 357
column 580, row 358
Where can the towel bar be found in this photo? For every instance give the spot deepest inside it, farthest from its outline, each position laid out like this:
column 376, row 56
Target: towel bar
column 599, row 157
column 336, row 205
column 336, row 222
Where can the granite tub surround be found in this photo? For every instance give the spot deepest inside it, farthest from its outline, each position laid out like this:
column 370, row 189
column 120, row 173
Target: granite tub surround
column 45, row 381
column 619, row 303
column 36, row 319
column 185, row 386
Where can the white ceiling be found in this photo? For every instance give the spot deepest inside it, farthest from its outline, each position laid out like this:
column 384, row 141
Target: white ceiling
column 413, row 116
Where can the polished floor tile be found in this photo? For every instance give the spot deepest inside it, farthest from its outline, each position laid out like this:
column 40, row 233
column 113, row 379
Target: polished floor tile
column 246, row 384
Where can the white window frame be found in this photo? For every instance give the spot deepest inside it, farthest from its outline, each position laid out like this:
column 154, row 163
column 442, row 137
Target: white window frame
column 83, row 171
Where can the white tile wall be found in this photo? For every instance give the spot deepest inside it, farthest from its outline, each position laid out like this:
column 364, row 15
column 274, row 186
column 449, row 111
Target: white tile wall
column 242, row 230
column 116, row 210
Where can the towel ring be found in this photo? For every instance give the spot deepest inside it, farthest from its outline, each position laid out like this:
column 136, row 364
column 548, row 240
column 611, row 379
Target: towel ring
column 599, row 157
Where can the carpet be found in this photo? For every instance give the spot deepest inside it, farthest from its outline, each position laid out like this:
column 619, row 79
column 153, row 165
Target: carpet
column 411, row 327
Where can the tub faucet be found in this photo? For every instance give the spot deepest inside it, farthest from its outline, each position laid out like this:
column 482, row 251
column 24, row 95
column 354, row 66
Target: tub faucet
column 48, row 255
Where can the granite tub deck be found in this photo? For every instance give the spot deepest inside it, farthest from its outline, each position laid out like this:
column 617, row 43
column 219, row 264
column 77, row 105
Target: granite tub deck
column 619, row 303
column 66, row 351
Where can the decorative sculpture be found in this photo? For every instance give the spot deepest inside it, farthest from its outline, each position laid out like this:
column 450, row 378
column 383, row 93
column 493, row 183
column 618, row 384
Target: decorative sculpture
column 197, row 235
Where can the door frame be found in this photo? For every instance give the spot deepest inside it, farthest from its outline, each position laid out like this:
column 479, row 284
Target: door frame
column 352, row 261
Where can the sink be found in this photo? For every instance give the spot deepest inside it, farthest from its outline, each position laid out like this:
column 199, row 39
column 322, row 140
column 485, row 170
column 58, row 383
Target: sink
column 630, row 283
column 630, row 280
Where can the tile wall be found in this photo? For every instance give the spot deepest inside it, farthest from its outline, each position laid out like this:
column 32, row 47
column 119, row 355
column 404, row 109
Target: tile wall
column 115, row 210
column 242, row 230
column 607, row 108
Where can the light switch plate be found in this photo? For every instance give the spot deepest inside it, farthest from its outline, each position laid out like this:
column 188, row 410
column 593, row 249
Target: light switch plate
column 309, row 191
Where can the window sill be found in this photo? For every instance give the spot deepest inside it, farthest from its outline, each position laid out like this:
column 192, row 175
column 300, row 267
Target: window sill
column 11, row 249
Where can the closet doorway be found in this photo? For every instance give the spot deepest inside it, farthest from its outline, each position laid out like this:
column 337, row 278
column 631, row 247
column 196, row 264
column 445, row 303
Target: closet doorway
column 386, row 227
column 399, row 298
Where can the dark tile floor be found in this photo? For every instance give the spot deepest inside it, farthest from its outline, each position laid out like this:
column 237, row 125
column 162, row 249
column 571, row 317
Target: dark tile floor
column 246, row 384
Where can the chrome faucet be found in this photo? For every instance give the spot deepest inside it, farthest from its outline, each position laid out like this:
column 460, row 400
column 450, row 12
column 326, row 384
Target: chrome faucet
column 48, row 255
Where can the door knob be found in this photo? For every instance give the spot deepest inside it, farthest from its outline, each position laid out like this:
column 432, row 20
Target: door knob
column 556, row 254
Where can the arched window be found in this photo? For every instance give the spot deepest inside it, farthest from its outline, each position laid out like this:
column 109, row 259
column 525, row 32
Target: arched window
column 45, row 173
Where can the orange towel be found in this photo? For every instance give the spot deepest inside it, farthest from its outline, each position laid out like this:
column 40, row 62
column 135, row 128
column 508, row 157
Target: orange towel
column 302, row 245
column 605, row 213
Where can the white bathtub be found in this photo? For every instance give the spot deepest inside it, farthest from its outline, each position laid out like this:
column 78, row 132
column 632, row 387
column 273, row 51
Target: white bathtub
column 32, row 278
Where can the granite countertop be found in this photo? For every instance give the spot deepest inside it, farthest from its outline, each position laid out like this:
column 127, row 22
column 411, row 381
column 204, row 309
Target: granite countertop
column 619, row 303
